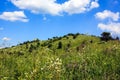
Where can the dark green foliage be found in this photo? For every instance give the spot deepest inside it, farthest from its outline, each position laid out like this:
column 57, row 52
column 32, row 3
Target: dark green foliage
column 105, row 36
column 17, row 74
column 44, row 44
column 38, row 44
column 75, row 36
column 64, row 36
column 70, row 34
column 26, row 42
column 59, row 45
column 49, row 45
column 117, row 38
column 80, row 47
column 55, row 37
column 10, row 53
column 91, row 41
column 1, row 51
column 26, row 46
column 31, row 48
column 68, row 45
column 67, row 37
column 36, row 40
column 20, row 53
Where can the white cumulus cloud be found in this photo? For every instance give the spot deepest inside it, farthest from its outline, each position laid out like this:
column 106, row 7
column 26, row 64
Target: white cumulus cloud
column 111, row 27
column 54, row 8
column 94, row 4
column 6, row 39
column 39, row 6
column 14, row 16
column 79, row 6
column 106, row 14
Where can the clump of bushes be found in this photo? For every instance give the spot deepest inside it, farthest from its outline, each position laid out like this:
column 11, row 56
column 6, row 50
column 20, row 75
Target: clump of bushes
column 106, row 36
column 59, row 45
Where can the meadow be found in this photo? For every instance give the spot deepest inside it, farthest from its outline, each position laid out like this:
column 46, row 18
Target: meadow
column 70, row 57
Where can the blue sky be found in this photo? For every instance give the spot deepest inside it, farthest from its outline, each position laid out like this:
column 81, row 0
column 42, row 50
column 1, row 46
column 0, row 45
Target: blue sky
column 22, row 20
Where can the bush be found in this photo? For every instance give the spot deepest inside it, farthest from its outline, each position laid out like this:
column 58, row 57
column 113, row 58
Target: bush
column 105, row 36
column 59, row 45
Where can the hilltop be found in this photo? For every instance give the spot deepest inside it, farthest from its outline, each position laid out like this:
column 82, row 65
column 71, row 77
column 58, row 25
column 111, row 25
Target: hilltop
column 70, row 57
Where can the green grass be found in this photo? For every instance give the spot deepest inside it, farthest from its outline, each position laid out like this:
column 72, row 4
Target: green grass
column 41, row 60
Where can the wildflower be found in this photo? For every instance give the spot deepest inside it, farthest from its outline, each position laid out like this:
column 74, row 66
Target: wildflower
column 41, row 68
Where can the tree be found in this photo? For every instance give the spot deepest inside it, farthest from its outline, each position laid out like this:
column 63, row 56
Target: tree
column 74, row 36
column 105, row 36
column 49, row 45
column 31, row 48
column 117, row 38
column 68, row 45
column 38, row 44
column 59, row 45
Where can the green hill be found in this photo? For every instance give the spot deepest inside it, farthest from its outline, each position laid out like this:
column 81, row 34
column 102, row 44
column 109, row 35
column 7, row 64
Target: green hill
column 71, row 57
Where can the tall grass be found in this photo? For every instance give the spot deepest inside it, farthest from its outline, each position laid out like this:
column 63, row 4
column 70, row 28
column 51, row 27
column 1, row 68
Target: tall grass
column 95, row 61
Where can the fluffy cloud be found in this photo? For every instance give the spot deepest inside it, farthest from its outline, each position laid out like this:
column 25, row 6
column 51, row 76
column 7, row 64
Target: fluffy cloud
column 79, row 6
column 112, row 27
column 6, row 39
column 106, row 14
column 94, row 5
column 39, row 6
column 54, row 8
column 14, row 16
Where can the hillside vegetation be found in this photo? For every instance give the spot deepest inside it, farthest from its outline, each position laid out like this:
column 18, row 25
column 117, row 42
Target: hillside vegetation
column 71, row 57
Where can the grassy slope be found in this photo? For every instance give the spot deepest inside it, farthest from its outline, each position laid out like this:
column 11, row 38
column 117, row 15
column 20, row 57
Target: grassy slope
column 41, row 60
